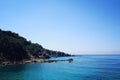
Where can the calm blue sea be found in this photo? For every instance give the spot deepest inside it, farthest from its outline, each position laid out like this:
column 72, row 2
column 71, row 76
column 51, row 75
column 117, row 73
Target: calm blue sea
column 85, row 67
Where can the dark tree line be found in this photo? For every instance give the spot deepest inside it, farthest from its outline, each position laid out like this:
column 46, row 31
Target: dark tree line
column 16, row 48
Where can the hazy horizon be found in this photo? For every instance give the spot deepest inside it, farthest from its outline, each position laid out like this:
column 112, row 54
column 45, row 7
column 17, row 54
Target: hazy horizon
column 71, row 26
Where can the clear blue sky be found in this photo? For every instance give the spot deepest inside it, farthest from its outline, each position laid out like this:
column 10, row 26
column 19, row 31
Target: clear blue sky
column 73, row 26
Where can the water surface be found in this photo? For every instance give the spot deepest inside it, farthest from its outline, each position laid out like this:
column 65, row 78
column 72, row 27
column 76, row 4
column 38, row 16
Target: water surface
column 86, row 67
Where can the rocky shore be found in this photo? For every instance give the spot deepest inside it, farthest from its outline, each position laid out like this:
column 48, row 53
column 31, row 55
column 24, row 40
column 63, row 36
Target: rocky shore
column 33, row 61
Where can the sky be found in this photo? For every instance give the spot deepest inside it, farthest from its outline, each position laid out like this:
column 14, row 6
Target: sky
column 72, row 26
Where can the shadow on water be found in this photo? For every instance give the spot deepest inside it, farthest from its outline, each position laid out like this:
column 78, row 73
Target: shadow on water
column 11, row 72
column 12, row 68
column 18, row 72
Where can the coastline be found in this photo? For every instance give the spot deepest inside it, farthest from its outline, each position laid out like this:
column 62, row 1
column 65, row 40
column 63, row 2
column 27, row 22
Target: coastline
column 5, row 63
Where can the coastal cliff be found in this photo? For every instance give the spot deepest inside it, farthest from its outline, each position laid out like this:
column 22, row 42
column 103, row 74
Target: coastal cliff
column 14, row 48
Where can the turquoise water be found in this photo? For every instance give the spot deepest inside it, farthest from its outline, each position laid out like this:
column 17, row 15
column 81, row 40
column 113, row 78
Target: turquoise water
column 82, row 68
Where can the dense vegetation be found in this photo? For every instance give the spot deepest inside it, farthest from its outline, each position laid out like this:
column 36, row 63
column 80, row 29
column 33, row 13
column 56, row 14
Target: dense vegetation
column 16, row 48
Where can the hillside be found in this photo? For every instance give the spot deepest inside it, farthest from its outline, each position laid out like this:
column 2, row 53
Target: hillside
column 16, row 48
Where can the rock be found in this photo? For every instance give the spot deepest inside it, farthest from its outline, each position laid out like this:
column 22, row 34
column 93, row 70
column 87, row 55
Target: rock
column 70, row 59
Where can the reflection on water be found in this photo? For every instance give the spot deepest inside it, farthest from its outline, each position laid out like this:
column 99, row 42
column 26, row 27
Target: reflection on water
column 13, row 68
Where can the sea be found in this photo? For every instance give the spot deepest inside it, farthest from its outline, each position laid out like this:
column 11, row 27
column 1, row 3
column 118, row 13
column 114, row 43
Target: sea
column 83, row 67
